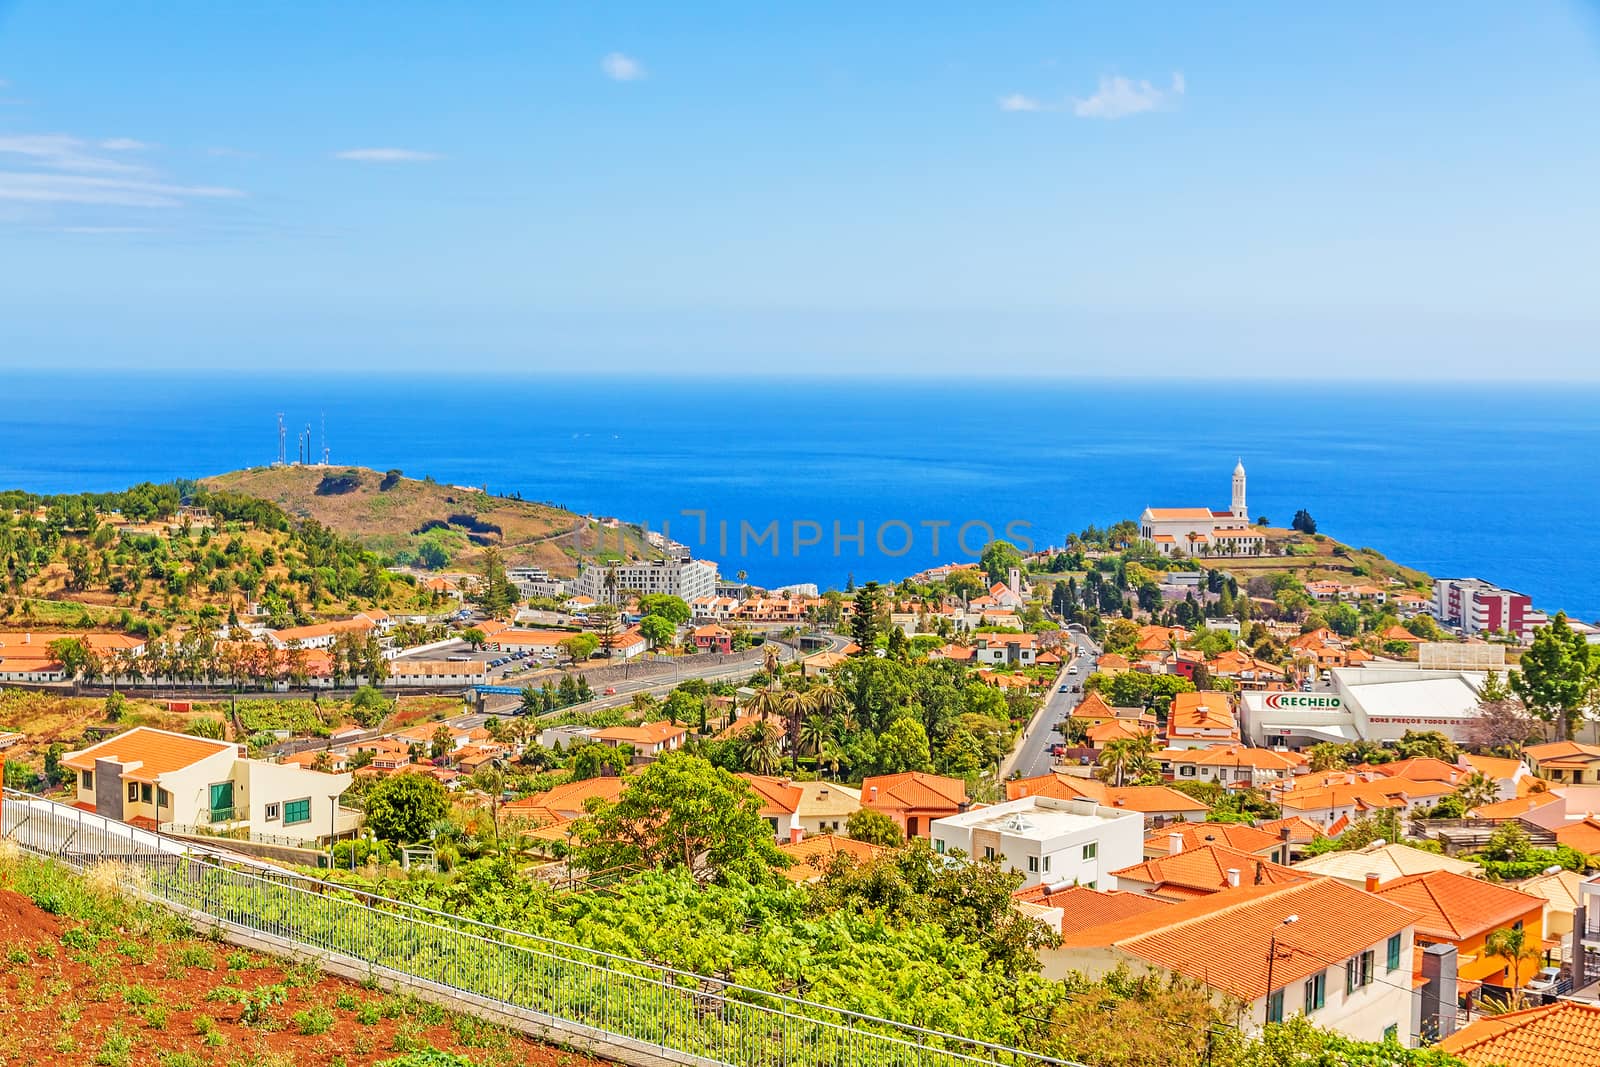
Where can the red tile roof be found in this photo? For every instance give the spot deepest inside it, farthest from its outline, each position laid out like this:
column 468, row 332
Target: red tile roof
column 1453, row 907
column 913, row 790
column 1563, row 1034
column 1335, row 922
column 1205, row 869
column 157, row 752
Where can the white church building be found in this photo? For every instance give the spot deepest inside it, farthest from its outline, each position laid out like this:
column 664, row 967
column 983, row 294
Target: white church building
column 1202, row 531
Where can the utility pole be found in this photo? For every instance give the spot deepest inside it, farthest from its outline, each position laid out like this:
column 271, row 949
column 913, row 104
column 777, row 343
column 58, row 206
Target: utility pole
column 1272, row 956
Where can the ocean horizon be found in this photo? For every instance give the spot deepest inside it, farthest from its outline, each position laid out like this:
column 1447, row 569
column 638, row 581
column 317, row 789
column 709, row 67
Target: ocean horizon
column 1460, row 480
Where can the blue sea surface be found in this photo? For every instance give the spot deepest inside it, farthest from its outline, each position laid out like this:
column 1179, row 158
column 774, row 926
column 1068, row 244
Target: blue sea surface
column 1498, row 482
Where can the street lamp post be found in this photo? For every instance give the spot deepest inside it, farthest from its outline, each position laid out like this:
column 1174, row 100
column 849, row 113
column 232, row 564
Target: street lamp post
column 1272, row 955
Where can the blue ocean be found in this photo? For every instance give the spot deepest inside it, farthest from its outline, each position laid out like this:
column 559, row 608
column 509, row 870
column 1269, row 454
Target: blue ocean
column 794, row 481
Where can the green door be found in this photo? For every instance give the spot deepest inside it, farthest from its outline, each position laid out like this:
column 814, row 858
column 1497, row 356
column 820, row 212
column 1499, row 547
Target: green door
column 222, row 802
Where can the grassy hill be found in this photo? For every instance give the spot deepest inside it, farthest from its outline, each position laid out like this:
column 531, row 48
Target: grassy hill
column 1313, row 557
column 154, row 556
column 438, row 526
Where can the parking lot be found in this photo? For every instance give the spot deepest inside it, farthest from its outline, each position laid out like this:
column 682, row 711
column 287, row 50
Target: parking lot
column 501, row 664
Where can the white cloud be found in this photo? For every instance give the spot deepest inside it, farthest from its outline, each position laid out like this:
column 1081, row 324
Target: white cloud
column 39, row 188
column 58, row 151
column 386, row 155
column 124, row 144
column 619, row 67
column 1019, row 102
column 1119, row 97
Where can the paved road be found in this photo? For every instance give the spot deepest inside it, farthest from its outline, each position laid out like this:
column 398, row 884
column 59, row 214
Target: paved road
column 1032, row 756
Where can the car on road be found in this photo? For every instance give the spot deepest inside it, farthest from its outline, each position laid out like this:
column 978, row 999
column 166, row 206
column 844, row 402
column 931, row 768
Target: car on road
column 1065, row 689
column 1072, row 669
column 1056, row 750
column 1545, row 981
column 611, row 691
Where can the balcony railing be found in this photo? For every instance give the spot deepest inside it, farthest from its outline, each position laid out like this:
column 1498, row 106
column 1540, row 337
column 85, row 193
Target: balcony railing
column 217, row 815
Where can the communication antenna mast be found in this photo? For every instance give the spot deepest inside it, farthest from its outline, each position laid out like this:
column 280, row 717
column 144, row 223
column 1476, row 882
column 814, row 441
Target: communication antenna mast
column 282, row 456
column 324, row 438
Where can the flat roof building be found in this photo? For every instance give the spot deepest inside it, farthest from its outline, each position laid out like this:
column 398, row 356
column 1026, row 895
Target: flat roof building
column 1059, row 842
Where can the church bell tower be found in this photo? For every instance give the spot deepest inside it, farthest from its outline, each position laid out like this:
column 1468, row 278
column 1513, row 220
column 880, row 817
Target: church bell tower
column 1239, row 510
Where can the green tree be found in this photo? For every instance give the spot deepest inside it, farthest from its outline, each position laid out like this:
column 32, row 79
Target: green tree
column 606, row 621
column 672, row 608
column 74, row 655
column 1420, row 744
column 495, row 593
column 403, row 807
column 578, row 647
column 904, row 747
column 966, row 583
column 1516, row 948
column 997, row 559
column 474, row 636
column 971, row 901
column 864, row 617
column 1477, row 789
column 659, row 630
column 1326, row 756
column 682, row 813
column 1557, row 675
column 1303, row 522
column 873, row 827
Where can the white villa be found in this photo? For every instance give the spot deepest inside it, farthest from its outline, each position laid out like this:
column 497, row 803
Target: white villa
column 167, row 781
column 1202, row 531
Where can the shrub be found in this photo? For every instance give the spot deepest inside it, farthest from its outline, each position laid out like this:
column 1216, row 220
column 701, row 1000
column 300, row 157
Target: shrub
column 116, row 1051
column 312, row 1021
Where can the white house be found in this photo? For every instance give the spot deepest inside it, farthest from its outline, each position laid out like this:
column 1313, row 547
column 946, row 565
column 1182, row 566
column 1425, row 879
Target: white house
column 1047, row 840
column 1006, row 649
column 1335, row 954
column 164, row 780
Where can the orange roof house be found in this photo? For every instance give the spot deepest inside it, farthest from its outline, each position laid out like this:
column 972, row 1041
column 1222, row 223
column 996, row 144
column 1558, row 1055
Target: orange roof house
column 1183, row 836
column 1225, row 939
column 1562, row 1034
column 568, row 799
column 811, row 857
column 1157, row 803
column 914, row 799
column 1567, row 762
column 1102, row 734
column 647, row 739
column 1201, row 871
column 1198, row 719
column 1455, row 910
column 1074, row 907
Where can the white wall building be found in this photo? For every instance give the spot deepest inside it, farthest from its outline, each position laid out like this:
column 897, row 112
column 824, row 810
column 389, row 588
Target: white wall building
column 163, row 780
column 1047, row 840
column 690, row 579
column 1202, row 531
column 1367, row 703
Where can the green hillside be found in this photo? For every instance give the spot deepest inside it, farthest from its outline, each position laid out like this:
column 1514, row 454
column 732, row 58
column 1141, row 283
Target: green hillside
column 427, row 524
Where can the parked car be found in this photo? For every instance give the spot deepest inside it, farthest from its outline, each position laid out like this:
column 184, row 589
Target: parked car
column 1545, row 982
column 1056, row 750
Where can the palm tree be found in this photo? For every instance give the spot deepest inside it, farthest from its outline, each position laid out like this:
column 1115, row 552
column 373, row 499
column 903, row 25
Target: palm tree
column 1513, row 946
column 1477, row 789
column 813, row 733
column 1125, row 758
column 758, row 748
column 771, row 661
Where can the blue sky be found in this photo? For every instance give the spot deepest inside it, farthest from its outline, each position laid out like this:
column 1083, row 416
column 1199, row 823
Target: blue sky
column 1220, row 189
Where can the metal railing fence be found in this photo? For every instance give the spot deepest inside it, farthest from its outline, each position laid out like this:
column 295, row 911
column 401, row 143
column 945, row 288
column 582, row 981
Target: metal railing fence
column 677, row 1015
